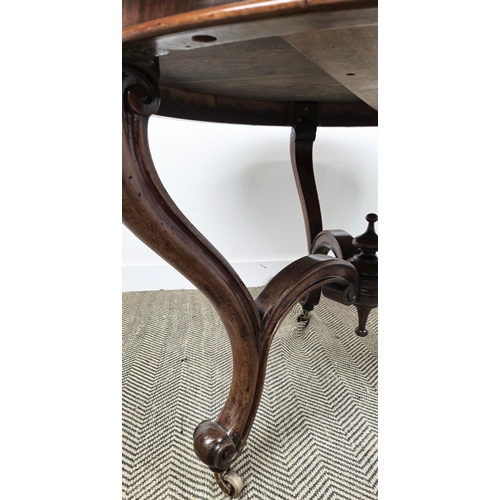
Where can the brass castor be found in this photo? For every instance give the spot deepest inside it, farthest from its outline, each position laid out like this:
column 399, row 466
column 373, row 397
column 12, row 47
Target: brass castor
column 230, row 482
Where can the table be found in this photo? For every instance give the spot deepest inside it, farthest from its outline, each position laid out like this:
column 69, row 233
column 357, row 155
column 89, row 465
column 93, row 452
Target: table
column 295, row 63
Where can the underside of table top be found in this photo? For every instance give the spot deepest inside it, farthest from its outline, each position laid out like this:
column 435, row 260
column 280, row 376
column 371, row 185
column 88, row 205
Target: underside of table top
column 251, row 61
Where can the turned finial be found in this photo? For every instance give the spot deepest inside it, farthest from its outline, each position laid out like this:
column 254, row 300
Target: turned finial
column 366, row 262
column 368, row 241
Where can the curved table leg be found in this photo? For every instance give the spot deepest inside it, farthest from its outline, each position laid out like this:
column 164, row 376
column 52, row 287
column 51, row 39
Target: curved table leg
column 302, row 138
column 273, row 303
column 150, row 213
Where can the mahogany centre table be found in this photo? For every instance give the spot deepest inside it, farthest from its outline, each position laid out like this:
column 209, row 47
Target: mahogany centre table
column 295, row 63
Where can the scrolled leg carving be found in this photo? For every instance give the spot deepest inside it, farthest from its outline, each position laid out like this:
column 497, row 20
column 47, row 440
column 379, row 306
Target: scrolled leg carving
column 150, row 213
column 302, row 138
column 214, row 446
column 336, row 241
column 279, row 296
column 213, row 443
column 140, row 92
column 340, row 244
column 305, row 274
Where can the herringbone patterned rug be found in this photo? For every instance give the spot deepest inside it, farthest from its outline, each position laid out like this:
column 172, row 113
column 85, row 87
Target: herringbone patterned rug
column 315, row 434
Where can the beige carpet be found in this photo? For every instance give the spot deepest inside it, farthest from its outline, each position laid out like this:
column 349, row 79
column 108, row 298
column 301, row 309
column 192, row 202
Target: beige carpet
column 315, row 434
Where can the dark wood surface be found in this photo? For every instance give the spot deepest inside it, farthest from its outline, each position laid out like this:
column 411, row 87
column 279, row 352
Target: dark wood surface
column 278, row 16
column 304, row 63
column 250, row 61
column 348, row 55
column 268, row 69
column 140, row 11
column 302, row 139
column 151, row 214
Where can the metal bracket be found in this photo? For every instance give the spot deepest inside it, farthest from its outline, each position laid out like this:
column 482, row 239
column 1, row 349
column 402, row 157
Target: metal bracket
column 305, row 121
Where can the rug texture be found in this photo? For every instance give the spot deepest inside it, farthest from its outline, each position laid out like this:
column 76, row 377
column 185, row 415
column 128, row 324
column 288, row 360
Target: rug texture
column 315, row 434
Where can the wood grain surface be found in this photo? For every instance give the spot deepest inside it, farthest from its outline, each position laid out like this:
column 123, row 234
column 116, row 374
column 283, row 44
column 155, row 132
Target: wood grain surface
column 349, row 55
column 140, row 11
column 249, row 61
column 244, row 21
column 265, row 69
column 178, row 103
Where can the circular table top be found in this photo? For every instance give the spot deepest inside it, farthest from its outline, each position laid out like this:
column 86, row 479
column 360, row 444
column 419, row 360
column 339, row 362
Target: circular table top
column 251, row 61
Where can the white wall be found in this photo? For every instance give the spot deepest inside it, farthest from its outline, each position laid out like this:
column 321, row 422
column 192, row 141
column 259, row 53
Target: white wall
column 235, row 184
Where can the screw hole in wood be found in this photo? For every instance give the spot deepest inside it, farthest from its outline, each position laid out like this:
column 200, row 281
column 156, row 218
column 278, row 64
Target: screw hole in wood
column 204, row 38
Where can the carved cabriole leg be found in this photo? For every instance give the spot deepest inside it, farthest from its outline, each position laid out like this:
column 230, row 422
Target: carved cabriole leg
column 150, row 213
column 278, row 297
column 301, row 148
column 339, row 242
column 302, row 138
column 273, row 304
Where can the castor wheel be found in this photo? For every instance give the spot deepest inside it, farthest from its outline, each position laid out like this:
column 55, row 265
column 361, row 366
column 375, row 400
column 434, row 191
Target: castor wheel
column 230, row 482
column 303, row 317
